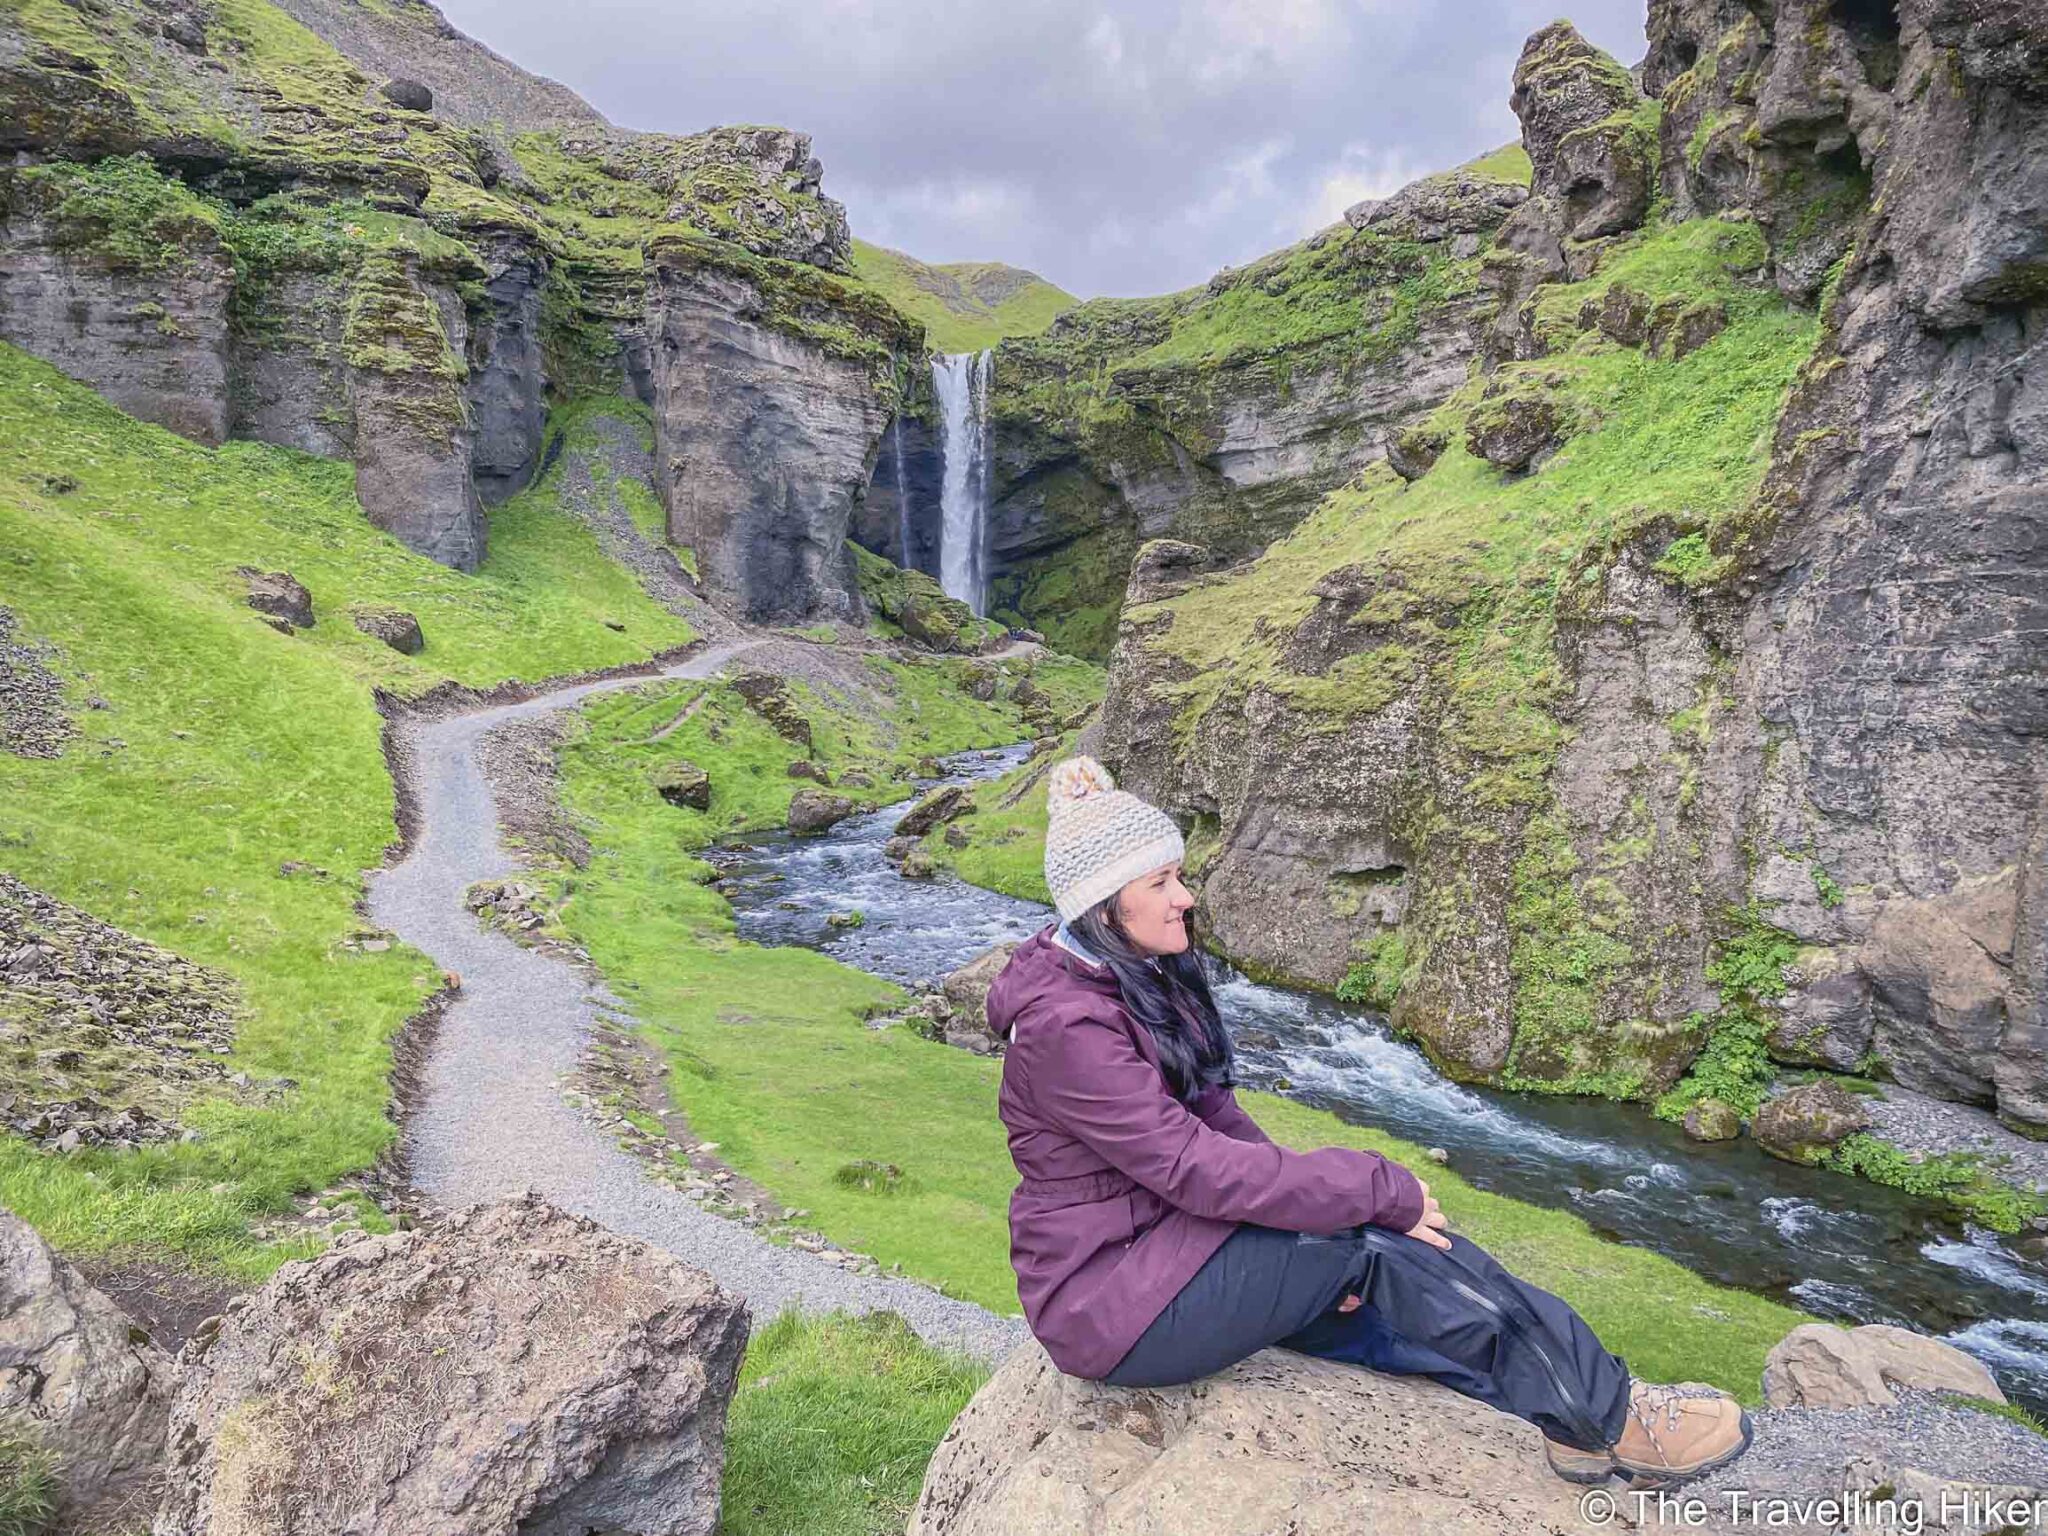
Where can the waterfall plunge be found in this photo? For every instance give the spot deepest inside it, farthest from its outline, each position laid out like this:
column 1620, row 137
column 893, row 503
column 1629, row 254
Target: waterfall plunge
column 960, row 380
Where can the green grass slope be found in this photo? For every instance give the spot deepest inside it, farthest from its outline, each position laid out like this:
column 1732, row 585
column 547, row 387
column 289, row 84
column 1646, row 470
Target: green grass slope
column 226, row 749
column 964, row 305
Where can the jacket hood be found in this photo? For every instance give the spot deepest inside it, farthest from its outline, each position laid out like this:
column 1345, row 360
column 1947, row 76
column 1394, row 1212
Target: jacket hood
column 1042, row 967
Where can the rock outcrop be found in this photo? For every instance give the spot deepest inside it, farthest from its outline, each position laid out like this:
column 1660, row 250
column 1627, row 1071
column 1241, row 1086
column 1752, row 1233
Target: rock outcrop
column 511, row 1368
column 1281, row 1441
column 1755, row 749
column 1818, row 1365
column 87, row 1381
column 339, row 248
column 1173, row 418
column 773, row 384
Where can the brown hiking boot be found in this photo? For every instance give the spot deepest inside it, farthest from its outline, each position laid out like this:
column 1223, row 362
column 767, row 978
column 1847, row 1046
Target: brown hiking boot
column 1668, row 1439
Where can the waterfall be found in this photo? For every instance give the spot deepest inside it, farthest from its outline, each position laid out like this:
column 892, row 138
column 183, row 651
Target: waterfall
column 960, row 380
column 903, row 555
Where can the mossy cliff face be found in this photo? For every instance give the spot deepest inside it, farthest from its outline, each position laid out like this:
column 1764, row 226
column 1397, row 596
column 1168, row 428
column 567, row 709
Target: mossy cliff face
column 221, row 217
column 1674, row 690
column 1223, row 414
column 773, row 383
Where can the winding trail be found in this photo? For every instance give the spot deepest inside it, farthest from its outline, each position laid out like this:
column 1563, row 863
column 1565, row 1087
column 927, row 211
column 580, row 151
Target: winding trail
column 491, row 1120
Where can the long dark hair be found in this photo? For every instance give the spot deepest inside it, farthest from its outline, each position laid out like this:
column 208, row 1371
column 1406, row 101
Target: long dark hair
column 1169, row 995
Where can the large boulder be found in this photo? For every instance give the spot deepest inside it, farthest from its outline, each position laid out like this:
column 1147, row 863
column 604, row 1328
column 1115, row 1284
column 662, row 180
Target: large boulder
column 280, row 596
column 88, row 1381
column 1818, row 1365
column 966, row 989
column 941, row 805
column 512, row 1368
column 394, row 626
column 1281, row 1441
column 812, row 810
column 682, row 783
column 1800, row 1125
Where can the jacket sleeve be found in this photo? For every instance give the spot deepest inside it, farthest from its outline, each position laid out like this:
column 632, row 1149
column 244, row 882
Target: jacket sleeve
column 1088, row 1078
column 1219, row 1109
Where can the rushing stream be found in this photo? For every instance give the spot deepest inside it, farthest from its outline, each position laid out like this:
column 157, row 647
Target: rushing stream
column 1843, row 1249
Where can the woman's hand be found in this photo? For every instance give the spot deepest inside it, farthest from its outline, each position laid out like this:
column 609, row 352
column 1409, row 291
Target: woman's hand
column 1429, row 1229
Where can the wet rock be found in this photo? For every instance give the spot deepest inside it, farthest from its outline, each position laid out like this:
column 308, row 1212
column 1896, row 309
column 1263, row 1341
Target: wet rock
column 917, row 864
column 95, row 1389
column 896, row 848
column 394, row 626
column 1056, row 1455
column 1712, row 1120
column 812, row 810
column 409, row 94
column 935, row 809
column 280, row 595
column 1820, row 1365
column 1801, row 1124
column 683, row 783
column 512, row 1367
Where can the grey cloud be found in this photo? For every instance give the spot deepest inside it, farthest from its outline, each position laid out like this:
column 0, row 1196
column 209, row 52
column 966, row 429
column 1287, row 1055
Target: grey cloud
column 1116, row 148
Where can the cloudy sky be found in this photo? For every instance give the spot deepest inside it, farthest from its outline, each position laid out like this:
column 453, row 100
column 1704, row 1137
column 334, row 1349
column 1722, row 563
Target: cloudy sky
column 1129, row 147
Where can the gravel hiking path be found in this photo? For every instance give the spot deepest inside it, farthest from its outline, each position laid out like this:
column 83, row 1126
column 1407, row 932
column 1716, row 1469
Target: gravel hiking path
column 490, row 1120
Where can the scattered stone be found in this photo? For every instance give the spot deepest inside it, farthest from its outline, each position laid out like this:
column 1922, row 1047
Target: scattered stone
column 682, row 783
column 918, row 864
column 1712, row 1120
column 812, row 810
column 104, row 1037
column 1802, row 1124
column 854, row 919
column 804, row 768
column 87, row 1379
column 394, row 626
column 940, row 806
column 981, row 684
column 930, row 768
column 512, row 1367
column 1438, row 1155
column 854, row 780
column 32, row 718
column 956, row 836
column 409, row 94
column 278, row 595
column 896, row 848
column 1820, row 1365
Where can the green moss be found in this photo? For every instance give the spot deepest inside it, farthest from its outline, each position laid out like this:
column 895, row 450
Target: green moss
column 1374, row 980
column 1959, row 1179
column 964, row 306
column 122, row 209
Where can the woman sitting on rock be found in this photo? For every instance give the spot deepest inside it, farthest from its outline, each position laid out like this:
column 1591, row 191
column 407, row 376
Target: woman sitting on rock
column 1159, row 1235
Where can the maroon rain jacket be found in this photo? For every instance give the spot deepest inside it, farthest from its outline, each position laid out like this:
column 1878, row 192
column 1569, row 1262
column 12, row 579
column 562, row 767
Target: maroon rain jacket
column 1124, row 1190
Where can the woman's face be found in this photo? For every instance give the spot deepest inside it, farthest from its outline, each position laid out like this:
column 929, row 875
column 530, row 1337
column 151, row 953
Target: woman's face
column 1153, row 909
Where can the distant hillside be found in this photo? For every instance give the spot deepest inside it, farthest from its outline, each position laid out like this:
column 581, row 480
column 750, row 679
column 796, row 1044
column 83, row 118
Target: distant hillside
column 965, row 305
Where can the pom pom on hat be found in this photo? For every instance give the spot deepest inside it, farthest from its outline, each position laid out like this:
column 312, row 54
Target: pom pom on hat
column 1098, row 837
column 1076, row 779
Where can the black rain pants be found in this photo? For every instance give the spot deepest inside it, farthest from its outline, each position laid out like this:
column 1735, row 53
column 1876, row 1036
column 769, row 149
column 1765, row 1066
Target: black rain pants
column 1455, row 1316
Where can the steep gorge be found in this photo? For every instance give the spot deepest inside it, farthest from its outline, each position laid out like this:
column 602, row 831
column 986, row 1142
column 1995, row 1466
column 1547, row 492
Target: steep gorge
column 1660, row 696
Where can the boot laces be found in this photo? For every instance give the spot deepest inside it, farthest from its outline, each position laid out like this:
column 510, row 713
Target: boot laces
column 1645, row 1404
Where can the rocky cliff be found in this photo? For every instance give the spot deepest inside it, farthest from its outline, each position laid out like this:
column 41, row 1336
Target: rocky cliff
column 351, row 230
column 1223, row 414
column 1670, row 695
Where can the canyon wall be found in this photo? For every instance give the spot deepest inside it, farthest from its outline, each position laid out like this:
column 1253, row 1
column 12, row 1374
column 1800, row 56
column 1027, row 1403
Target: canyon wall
column 1676, row 681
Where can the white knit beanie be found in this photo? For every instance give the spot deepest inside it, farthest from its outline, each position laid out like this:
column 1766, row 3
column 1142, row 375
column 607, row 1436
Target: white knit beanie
column 1098, row 838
